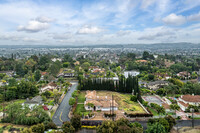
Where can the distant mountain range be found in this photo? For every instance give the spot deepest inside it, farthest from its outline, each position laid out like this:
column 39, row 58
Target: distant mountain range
column 181, row 45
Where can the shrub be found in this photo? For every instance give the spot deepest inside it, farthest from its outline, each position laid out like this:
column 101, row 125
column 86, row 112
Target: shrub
column 138, row 115
column 109, row 115
column 88, row 127
column 133, row 98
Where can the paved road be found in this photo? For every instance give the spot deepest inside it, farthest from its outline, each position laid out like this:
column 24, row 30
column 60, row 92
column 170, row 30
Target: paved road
column 62, row 112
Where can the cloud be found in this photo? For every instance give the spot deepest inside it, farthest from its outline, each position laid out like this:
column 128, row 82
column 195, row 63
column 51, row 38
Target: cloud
column 33, row 26
column 194, row 17
column 174, row 19
column 44, row 19
column 157, row 35
column 89, row 30
column 147, row 3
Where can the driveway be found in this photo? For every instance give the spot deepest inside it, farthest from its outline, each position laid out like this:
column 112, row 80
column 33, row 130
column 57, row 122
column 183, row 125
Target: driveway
column 61, row 114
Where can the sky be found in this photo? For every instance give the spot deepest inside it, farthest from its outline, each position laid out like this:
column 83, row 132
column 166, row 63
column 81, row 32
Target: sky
column 92, row 22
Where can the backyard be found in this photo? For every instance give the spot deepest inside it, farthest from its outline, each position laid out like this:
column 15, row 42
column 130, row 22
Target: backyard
column 123, row 101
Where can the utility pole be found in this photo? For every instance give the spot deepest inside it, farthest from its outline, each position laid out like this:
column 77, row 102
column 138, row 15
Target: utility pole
column 192, row 118
column 112, row 109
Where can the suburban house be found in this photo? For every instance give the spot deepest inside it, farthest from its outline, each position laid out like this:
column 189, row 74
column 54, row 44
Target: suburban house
column 56, row 59
column 67, row 73
column 42, row 75
column 77, row 63
column 49, row 87
column 156, row 84
column 131, row 73
column 103, row 103
column 184, row 75
column 8, row 73
column 185, row 100
column 162, row 76
column 36, row 101
column 142, row 61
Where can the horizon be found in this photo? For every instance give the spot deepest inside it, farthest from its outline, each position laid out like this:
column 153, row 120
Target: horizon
column 90, row 23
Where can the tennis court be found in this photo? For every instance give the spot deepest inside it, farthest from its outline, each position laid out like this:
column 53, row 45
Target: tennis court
column 153, row 99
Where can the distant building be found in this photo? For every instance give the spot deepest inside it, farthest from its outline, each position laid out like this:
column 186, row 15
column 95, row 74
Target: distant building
column 67, row 73
column 56, row 59
column 184, row 75
column 157, row 84
column 131, row 73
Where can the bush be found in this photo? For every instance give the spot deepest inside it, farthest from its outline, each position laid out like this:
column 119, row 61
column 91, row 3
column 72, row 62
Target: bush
column 109, row 115
column 88, row 127
column 133, row 98
column 138, row 115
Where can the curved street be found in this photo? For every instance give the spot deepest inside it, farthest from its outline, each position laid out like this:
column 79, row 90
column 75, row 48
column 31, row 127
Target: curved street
column 61, row 114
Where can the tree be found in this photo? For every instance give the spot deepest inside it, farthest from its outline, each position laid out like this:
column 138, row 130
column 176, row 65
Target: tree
column 20, row 69
column 39, row 128
column 174, row 107
column 72, row 101
column 76, row 121
column 68, row 128
column 67, row 58
column 85, row 66
column 171, row 121
column 133, row 98
column 145, row 55
column 66, row 64
column 26, row 130
column 107, row 127
column 131, row 56
column 55, row 68
column 37, row 75
column 151, row 77
column 156, row 128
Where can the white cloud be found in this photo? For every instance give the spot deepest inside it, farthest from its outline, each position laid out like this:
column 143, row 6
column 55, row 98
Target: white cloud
column 89, row 30
column 44, row 19
column 146, row 3
column 194, row 17
column 33, row 26
column 174, row 19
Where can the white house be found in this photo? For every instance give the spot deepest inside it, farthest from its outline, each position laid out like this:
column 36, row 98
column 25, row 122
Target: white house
column 36, row 101
column 185, row 100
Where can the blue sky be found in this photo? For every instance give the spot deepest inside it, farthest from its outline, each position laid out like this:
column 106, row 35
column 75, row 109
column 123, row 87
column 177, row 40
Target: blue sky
column 82, row 22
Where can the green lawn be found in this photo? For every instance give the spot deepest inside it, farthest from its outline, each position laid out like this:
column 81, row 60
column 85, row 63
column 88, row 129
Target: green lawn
column 81, row 110
column 81, row 97
column 153, row 112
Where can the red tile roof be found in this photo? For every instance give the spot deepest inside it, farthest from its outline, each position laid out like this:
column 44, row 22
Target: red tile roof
column 191, row 98
column 184, row 104
column 45, row 107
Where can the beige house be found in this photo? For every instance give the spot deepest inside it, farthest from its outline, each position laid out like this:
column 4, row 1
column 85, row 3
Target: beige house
column 103, row 103
column 49, row 87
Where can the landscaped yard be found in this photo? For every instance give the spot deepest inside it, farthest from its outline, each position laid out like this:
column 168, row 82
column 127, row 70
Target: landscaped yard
column 7, row 103
column 123, row 101
column 81, row 97
column 81, row 110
